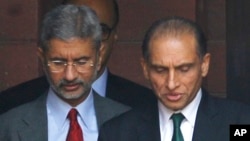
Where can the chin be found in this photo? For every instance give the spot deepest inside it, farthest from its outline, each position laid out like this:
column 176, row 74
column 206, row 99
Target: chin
column 174, row 106
column 71, row 95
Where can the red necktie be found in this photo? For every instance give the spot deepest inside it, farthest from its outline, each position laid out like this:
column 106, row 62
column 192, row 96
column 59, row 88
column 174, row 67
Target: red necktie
column 75, row 131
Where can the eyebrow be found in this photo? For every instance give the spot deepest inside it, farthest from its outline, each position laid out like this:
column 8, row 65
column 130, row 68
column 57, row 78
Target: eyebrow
column 76, row 59
column 176, row 67
column 185, row 65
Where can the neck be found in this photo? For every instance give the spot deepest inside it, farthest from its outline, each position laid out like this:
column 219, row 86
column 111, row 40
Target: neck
column 101, row 71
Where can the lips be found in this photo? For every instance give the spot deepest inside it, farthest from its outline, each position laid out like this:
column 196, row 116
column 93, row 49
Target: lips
column 71, row 87
column 173, row 96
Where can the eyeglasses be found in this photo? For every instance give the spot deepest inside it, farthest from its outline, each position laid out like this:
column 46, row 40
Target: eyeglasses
column 106, row 31
column 82, row 66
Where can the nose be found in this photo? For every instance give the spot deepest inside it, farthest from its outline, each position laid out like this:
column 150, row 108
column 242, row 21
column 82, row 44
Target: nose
column 70, row 73
column 172, row 80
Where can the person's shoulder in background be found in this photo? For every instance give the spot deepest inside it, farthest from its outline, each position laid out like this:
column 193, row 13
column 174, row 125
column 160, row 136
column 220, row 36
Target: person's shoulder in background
column 128, row 92
column 22, row 93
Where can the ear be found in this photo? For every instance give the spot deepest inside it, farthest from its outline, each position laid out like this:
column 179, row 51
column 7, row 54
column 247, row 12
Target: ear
column 40, row 54
column 115, row 36
column 205, row 64
column 101, row 53
column 144, row 68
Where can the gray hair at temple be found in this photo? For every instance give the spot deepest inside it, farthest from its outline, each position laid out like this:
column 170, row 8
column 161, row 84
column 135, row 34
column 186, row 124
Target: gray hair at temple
column 174, row 27
column 70, row 21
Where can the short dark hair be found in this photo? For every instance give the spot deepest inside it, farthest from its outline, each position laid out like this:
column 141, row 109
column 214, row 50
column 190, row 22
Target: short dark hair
column 174, row 26
column 70, row 21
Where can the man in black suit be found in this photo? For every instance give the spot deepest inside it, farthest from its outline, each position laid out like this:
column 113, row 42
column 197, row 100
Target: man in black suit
column 107, row 84
column 175, row 61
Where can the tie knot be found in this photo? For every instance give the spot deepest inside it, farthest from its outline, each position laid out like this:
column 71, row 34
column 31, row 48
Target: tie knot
column 177, row 119
column 72, row 114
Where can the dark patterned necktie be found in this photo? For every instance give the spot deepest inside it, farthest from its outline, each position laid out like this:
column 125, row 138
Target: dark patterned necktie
column 177, row 119
column 75, row 131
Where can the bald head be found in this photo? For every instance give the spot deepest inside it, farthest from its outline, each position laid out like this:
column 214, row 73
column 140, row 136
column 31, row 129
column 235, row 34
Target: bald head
column 174, row 27
column 106, row 10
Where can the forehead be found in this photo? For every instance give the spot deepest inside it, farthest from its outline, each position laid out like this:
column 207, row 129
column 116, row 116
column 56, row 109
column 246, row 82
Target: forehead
column 175, row 48
column 73, row 47
column 103, row 8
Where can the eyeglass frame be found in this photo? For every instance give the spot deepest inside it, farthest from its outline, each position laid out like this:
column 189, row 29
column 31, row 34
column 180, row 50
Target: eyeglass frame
column 108, row 29
column 76, row 64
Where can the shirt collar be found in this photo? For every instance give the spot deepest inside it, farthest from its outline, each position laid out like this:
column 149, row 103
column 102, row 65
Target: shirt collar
column 189, row 111
column 59, row 109
column 100, row 83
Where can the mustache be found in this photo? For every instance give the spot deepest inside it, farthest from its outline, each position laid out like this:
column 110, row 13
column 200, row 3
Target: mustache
column 66, row 82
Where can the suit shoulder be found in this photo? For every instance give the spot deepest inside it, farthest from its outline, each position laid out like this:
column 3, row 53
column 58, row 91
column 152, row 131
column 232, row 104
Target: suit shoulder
column 28, row 108
column 125, row 125
column 229, row 104
column 136, row 115
column 234, row 110
column 109, row 102
column 14, row 116
column 128, row 92
column 22, row 93
column 27, row 86
column 110, row 106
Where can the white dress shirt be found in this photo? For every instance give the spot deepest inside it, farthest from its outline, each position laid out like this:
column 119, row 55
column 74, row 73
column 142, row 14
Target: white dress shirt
column 100, row 83
column 187, row 125
column 58, row 124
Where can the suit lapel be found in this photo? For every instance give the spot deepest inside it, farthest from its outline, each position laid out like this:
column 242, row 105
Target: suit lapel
column 148, row 129
column 106, row 109
column 34, row 126
column 206, row 120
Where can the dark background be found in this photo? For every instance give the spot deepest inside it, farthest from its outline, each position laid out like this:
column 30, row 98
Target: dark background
column 225, row 22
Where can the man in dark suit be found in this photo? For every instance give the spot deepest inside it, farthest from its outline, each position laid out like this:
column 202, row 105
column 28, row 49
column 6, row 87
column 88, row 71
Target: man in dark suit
column 70, row 54
column 107, row 84
column 175, row 60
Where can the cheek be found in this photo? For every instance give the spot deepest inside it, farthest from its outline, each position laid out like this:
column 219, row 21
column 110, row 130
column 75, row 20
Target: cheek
column 191, row 82
column 54, row 78
column 89, row 77
column 157, row 81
